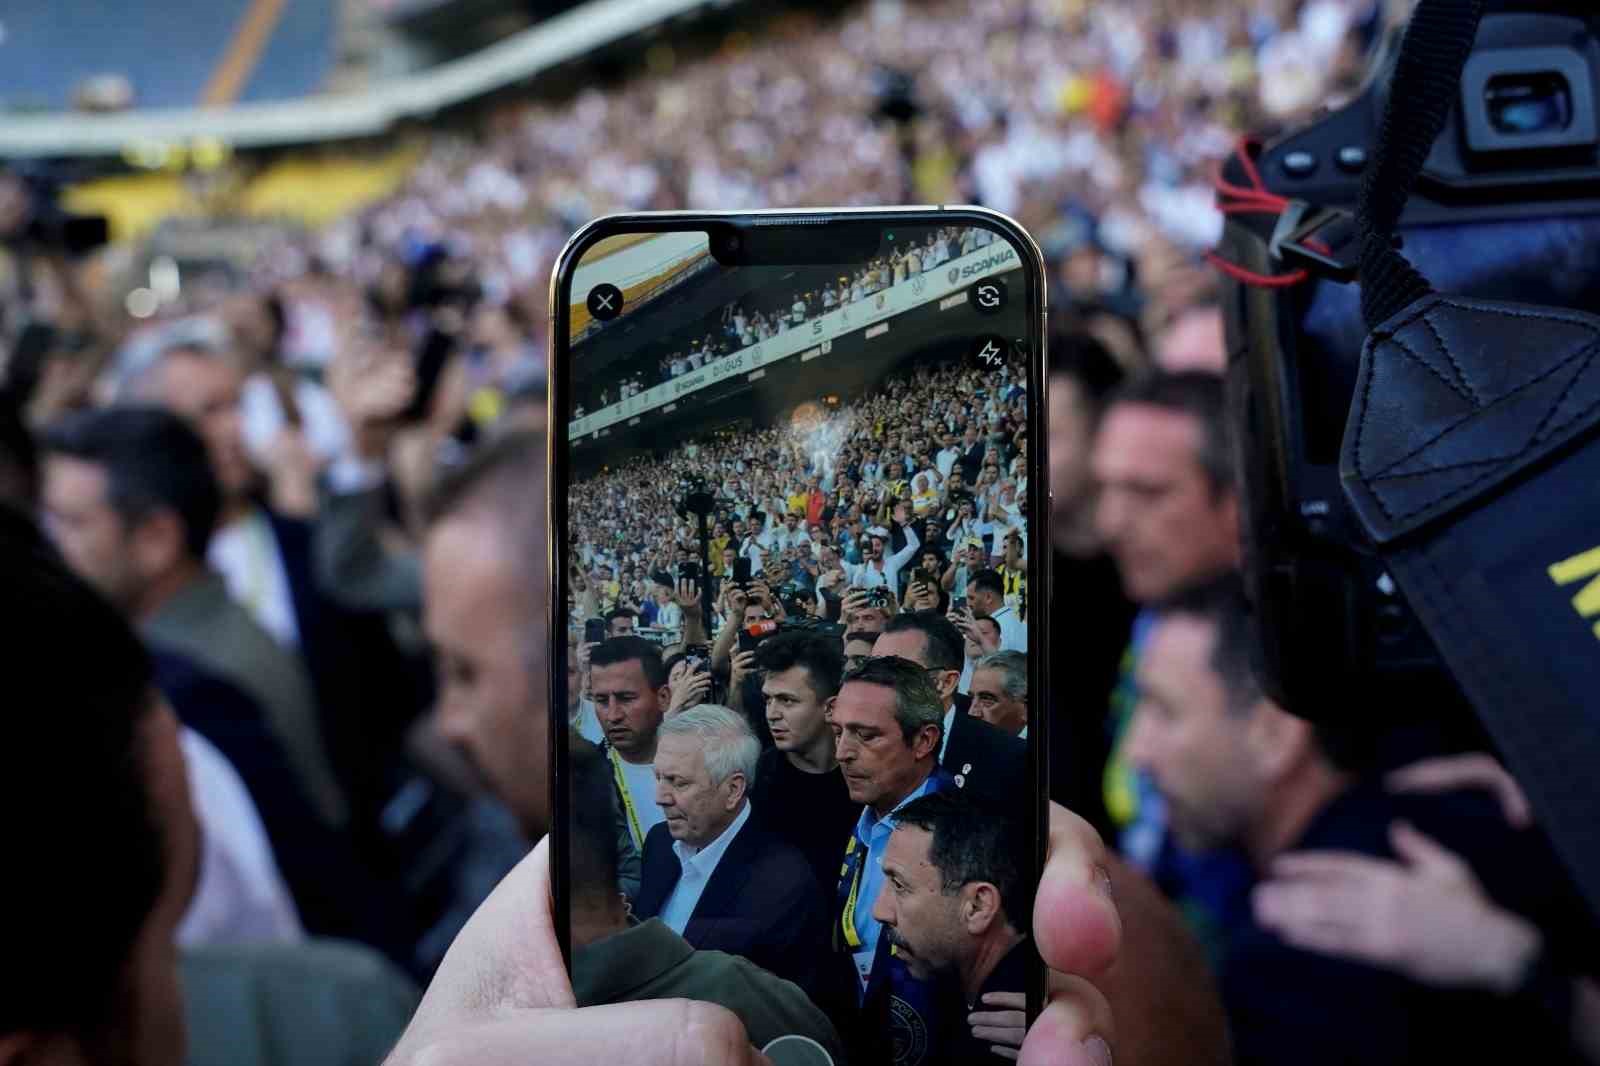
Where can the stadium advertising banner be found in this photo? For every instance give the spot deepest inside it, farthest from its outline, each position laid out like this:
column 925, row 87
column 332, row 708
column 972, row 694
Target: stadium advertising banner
column 813, row 339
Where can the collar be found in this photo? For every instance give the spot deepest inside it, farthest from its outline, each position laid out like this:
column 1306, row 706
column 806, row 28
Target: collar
column 869, row 818
column 949, row 723
column 610, row 969
column 712, row 852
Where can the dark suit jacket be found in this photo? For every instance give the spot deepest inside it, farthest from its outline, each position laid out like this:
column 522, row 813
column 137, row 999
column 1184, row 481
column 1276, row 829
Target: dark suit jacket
column 335, row 894
column 992, row 764
column 368, row 691
column 762, row 902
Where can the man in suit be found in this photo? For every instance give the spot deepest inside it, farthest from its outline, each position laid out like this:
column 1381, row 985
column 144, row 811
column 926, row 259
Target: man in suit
column 365, row 689
column 131, row 500
column 986, row 762
column 711, row 873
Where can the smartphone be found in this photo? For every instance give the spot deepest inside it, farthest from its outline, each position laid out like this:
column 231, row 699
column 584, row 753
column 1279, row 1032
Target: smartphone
column 810, row 330
column 741, row 571
column 594, row 630
column 689, row 572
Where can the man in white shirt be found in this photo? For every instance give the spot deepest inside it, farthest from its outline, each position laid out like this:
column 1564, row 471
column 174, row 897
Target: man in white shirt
column 948, row 456
column 713, row 875
column 881, row 570
column 986, row 592
column 628, row 684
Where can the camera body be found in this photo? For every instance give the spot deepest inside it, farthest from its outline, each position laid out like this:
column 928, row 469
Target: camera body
column 1507, row 208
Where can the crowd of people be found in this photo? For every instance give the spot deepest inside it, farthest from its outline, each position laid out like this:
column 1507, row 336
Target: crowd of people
column 278, row 561
column 757, row 318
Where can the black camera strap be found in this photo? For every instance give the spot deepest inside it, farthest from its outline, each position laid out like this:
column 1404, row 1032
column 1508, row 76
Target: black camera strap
column 1472, row 459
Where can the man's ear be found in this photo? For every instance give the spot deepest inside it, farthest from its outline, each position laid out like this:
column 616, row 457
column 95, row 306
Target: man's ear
column 1278, row 741
column 980, row 907
column 157, row 542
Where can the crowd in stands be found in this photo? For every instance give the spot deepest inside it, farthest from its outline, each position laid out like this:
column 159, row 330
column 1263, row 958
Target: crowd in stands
column 289, row 538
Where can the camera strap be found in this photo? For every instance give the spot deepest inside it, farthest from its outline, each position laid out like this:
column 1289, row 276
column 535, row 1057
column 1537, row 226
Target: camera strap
column 1472, row 459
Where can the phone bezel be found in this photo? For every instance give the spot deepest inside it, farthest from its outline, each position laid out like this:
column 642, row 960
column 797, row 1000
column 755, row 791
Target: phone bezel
column 1039, row 561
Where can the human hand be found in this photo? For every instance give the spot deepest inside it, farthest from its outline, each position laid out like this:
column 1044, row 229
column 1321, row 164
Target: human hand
column 689, row 685
column 502, row 996
column 744, row 664
column 687, row 595
column 1425, row 916
column 1079, row 934
column 1006, row 1026
column 924, row 597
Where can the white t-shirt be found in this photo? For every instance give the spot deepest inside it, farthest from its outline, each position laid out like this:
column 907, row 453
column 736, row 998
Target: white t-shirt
column 641, row 779
column 246, row 554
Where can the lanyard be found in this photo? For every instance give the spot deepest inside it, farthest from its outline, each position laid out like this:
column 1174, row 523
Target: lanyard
column 627, row 801
column 855, row 862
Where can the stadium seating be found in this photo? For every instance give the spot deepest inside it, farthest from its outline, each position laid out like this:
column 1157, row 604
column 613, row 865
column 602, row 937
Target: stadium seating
column 169, row 51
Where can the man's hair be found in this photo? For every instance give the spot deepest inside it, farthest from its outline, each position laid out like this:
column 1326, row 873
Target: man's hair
column 1222, row 604
column 916, row 701
column 620, row 612
column 821, row 657
column 19, row 456
column 1013, row 668
column 153, row 462
column 946, row 648
column 615, row 651
column 971, row 845
column 862, row 635
column 726, row 740
column 988, row 580
column 1080, row 356
column 73, row 736
column 1198, row 394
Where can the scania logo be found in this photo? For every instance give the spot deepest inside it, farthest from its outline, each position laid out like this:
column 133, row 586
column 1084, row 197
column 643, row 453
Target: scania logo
column 955, row 275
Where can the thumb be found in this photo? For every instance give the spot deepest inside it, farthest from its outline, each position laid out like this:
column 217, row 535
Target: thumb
column 1426, row 855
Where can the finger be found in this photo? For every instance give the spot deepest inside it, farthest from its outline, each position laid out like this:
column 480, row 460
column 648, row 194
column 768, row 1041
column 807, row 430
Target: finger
column 1331, row 866
column 1074, row 919
column 1067, row 1032
column 506, row 956
column 1003, row 1035
column 1004, row 1052
column 647, row 1033
column 1009, row 1000
column 1427, row 855
column 1473, row 770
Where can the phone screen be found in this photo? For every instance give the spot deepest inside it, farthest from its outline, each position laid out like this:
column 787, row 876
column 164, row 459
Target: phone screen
column 765, row 400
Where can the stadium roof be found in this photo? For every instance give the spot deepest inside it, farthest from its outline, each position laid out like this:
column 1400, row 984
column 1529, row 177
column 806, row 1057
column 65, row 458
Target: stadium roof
column 369, row 113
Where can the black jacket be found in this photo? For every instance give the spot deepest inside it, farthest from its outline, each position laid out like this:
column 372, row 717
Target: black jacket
column 762, row 902
column 990, row 765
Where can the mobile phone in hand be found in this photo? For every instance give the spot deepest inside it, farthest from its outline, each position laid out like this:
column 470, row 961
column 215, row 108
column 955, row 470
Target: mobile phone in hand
column 630, row 290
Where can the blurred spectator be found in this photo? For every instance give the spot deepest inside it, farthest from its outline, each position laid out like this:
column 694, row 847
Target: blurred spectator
column 132, row 501
column 1237, row 770
column 711, row 871
column 1089, row 612
column 101, row 958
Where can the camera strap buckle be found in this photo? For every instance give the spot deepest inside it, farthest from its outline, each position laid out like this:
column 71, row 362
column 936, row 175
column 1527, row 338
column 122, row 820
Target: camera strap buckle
column 1323, row 240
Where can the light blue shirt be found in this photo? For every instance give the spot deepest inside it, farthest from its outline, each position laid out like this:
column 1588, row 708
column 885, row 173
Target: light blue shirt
column 875, row 831
column 698, row 865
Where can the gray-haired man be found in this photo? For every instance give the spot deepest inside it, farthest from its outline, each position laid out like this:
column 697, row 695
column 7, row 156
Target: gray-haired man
column 1000, row 691
column 710, row 872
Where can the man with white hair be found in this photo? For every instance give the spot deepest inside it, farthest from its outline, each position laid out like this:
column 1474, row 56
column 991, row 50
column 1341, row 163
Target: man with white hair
column 710, row 872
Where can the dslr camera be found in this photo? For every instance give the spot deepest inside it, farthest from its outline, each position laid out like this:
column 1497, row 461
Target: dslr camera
column 1414, row 391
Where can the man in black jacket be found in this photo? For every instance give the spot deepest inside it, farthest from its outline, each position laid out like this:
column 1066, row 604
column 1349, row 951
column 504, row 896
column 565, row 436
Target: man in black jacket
column 711, row 872
column 988, row 764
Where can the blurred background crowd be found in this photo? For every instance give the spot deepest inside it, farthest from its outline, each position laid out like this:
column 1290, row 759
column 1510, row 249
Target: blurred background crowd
column 237, row 367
